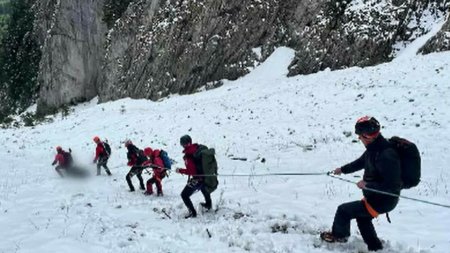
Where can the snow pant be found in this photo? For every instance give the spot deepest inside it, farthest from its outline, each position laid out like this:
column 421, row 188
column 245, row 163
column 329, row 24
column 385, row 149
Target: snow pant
column 102, row 162
column 138, row 172
column 192, row 186
column 58, row 169
column 356, row 210
column 72, row 171
column 155, row 180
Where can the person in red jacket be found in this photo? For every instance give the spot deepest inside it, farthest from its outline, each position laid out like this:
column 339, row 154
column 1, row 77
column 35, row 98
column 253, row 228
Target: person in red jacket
column 193, row 163
column 135, row 159
column 159, row 172
column 101, row 156
column 63, row 159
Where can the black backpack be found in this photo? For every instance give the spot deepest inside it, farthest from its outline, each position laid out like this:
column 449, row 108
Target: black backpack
column 409, row 161
column 68, row 160
column 107, row 148
column 140, row 157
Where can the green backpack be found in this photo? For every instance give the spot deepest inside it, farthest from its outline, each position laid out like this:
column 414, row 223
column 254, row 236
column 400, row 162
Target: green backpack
column 209, row 165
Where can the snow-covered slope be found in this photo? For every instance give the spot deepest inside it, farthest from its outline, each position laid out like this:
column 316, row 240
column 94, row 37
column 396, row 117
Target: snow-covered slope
column 295, row 124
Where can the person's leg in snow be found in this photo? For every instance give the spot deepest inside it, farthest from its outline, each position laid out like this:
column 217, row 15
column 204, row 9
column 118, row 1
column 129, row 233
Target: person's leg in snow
column 102, row 162
column 141, row 180
column 158, row 182
column 59, row 169
column 149, row 190
column 208, row 203
column 188, row 190
column 133, row 171
column 341, row 225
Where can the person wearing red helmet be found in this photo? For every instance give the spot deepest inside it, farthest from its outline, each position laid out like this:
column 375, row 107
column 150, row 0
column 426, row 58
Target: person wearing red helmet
column 382, row 172
column 63, row 159
column 155, row 161
column 136, row 158
column 101, row 156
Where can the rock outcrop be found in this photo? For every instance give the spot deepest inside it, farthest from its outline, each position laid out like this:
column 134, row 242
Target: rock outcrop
column 440, row 42
column 73, row 36
column 161, row 47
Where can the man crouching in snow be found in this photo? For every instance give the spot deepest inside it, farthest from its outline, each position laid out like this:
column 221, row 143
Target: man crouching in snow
column 382, row 172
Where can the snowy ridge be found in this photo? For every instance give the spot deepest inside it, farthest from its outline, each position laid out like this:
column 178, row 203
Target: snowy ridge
column 296, row 124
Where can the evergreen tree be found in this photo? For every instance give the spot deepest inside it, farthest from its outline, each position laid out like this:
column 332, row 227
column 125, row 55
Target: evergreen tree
column 19, row 60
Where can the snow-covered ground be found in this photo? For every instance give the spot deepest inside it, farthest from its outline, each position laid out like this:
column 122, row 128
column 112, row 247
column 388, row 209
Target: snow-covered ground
column 295, row 124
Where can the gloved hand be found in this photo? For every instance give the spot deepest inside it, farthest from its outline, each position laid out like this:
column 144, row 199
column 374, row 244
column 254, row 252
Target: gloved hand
column 337, row 171
column 94, row 161
column 177, row 170
column 53, row 163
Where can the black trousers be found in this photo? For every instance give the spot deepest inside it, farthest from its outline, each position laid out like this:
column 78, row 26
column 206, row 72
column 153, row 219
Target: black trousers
column 192, row 186
column 72, row 171
column 356, row 210
column 102, row 162
column 138, row 172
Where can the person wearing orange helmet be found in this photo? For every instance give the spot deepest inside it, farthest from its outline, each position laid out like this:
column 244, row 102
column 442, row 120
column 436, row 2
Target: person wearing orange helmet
column 102, row 153
column 382, row 172
column 63, row 159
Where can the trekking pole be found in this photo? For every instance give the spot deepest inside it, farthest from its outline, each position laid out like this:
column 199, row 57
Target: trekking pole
column 388, row 193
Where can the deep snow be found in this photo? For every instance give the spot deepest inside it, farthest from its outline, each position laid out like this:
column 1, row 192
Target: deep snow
column 296, row 124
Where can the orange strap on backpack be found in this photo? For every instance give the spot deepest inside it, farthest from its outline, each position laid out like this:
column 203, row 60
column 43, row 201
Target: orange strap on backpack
column 370, row 209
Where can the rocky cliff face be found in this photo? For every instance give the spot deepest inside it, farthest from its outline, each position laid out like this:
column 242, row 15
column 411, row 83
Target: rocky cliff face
column 159, row 47
column 73, row 36
column 440, row 42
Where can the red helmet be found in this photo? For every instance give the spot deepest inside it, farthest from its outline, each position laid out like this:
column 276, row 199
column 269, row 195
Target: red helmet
column 148, row 151
column 367, row 125
column 58, row 148
column 96, row 139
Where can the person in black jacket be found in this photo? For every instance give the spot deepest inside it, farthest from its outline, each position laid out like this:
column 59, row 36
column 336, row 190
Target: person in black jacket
column 382, row 172
column 135, row 159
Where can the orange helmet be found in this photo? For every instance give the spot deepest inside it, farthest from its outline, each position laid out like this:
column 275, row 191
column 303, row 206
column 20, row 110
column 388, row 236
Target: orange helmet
column 58, row 148
column 96, row 139
column 148, row 151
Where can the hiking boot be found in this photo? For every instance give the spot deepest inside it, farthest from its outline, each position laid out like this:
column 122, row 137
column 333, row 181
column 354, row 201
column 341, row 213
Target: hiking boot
column 375, row 247
column 109, row 173
column 160, row 194
column 146, row 193
column 142, row 187
column 329, row 237
column 191, row 215
column 204, row 205
column 131, row 190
